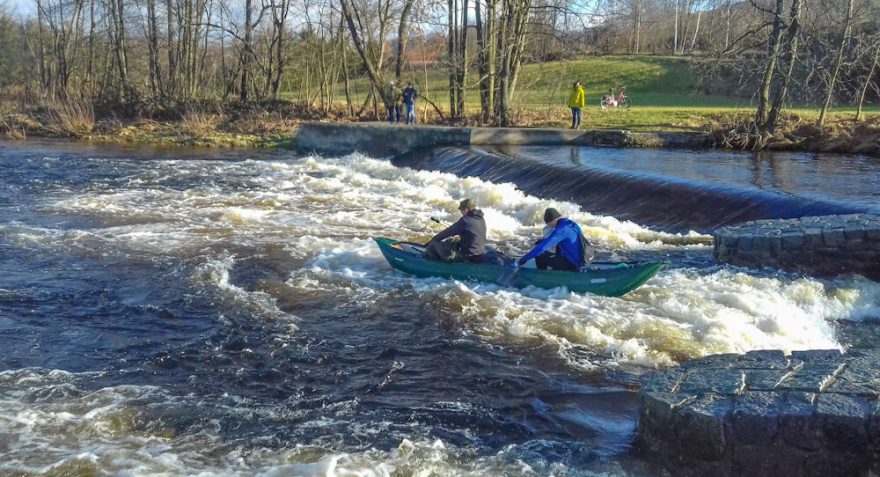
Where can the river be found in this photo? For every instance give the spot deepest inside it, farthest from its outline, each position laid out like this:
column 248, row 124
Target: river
column 170, row 312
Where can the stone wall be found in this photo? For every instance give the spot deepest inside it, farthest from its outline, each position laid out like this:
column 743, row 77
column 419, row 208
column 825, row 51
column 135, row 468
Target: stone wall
column 384, row 139
column 827, row 246
column 764, row 413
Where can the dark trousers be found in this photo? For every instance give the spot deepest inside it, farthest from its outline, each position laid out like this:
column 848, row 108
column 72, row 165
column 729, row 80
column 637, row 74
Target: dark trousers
column 474, row 259
column 556, row 262
column 394, row 114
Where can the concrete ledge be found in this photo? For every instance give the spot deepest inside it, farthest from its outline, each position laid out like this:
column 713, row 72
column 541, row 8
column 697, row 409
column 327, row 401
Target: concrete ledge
column 385, row 139
column 764, row 413
column 827, row 245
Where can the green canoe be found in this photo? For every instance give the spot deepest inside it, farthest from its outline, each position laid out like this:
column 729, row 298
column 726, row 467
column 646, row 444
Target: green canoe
column 601, row 278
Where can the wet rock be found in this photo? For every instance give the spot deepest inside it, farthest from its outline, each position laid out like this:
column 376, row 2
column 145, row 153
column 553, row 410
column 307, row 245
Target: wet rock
column 813, row 412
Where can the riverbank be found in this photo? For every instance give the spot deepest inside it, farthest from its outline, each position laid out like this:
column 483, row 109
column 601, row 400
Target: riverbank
column 276, row 126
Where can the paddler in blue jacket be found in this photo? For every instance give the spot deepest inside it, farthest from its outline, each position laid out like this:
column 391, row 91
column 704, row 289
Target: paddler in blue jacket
column 572, row 251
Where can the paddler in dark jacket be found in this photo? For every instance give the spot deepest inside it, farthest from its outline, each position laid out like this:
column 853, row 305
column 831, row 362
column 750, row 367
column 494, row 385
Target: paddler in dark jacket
column 471, row 230
column 570, row 245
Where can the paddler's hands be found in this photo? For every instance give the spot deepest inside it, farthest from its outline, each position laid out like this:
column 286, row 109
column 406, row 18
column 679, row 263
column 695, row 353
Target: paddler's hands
column 520, row 262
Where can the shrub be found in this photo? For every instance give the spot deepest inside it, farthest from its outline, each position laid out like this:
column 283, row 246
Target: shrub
column 73, row 116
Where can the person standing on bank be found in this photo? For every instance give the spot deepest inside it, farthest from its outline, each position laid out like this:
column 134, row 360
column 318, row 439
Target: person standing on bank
column 392, row 101
column 576, row 101
column 471, row 231
column 409, row 102
column 573, row 251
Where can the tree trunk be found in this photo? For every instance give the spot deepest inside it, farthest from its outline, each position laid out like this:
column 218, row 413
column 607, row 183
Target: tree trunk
column 482, row 65
column 402, row 37
column 790, row 58
column 696, row 30
column 153, row 47
column 675, row 29
column 118, row 14
column 864, row 88
column 770, row 67
column 836, row 71
column 351, row 14
column 171, row 80
column 451, row 55
column 246, row 51
column 462, row 60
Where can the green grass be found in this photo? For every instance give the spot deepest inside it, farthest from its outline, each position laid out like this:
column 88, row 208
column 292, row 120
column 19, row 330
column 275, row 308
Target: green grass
column 662, row 91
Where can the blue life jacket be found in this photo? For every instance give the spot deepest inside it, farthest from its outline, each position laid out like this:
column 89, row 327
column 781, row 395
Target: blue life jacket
column 566, row 236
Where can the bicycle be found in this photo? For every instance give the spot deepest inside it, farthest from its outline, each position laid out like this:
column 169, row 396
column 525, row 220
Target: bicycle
column 621, row 102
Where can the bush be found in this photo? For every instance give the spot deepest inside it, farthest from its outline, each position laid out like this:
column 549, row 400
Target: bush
column 73, row 116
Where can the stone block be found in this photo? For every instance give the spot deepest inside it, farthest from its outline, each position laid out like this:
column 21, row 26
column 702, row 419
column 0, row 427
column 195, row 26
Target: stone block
column 812, row 238
column 835, row 464
column 665, row 381
column 872, row 234
column 842, row 419
column 759, row 460
column 793, row 240
column 761, row 243
column 763, row 379
column 658, row 409
column 813, row 377
column 720, row 251
column 725, row 360
column 744, row 244
column 854, row 233
column 873, row 426
column 762, row 359
column 798, row 426
column 853, row 245
column 754, row 418
column 707, row 380
column 775, row 245
column 817, row 355
column 699, row 427
column 842, row 385
column 833, row 237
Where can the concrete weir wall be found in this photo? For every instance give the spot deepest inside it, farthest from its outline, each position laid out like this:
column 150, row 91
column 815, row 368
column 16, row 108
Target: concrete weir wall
column 763, row 413
column 826, row 246
column 385, row 139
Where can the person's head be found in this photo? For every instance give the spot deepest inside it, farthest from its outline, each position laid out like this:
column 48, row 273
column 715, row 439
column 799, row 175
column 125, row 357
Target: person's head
column 409, row 83
column 391, row 83
column 551, row 216
column 576, row 84
column 467, row 205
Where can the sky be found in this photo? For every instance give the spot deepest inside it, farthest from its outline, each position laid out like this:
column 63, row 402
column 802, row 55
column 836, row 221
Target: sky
column 21, row 7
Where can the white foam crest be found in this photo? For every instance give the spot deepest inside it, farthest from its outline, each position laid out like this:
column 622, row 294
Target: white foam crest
column 326, row 197
column 215, row 272
column 421, row 458
column 678, row 314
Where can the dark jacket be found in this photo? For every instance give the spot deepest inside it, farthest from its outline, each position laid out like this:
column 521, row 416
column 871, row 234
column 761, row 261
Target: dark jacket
column 566, row 236
column 471, row 229
column 409, row 95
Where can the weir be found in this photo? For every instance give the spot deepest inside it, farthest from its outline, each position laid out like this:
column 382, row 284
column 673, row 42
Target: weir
column 386, row 139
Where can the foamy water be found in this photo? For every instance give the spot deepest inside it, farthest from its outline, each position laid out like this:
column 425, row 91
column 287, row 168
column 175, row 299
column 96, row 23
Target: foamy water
column 236, row 264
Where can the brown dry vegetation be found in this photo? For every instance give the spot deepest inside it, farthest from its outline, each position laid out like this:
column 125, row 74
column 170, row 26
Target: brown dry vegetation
column 274, row 124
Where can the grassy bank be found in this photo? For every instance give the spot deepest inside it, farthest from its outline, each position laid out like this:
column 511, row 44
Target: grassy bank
column 662, row 90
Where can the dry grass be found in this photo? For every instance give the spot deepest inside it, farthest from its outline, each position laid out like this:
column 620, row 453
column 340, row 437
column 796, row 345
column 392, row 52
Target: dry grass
column 73, row 116
column 198, row 123
column 11, row 128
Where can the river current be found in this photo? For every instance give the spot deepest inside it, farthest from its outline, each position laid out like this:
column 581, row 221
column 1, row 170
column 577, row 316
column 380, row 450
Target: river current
column 212, row 313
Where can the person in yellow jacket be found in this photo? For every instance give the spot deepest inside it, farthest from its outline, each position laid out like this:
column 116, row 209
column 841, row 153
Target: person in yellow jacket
column 576, row 101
